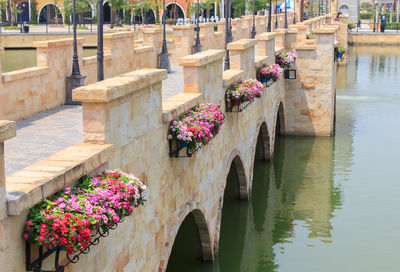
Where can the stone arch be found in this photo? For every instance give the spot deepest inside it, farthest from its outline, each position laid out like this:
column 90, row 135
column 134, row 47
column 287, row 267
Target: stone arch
column 280, row 120
column 243, row 190
column 264, row 138
column 191, row 208
column 344, row 9
column 180, row 11
column 45, row 13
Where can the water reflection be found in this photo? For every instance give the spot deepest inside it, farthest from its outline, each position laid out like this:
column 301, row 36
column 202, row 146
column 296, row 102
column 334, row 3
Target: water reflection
column 326, row 204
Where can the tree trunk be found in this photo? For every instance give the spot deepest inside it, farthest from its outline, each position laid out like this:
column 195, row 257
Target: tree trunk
column 397, row 11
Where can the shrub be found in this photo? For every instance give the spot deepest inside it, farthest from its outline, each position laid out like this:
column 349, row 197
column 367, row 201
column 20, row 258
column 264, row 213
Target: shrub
column 11, row 27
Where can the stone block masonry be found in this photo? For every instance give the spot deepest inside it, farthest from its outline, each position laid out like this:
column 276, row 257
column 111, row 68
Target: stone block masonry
column 125, row 125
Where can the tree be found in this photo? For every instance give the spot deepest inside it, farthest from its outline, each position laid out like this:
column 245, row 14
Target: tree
column 3, row 4
column 141, row 7
column 81, row 7
column 33, row 19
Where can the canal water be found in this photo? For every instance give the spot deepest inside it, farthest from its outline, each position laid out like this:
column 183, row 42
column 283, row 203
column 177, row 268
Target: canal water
column 16, row 59
column 322, row 204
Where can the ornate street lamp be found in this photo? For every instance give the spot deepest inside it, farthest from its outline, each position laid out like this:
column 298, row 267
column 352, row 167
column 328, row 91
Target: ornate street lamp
column 75, row 80
column 164, row 56
column 294, row 11
column 253, row 31
column 197, row 47
column 100, row 53
column 312, row 9
column 286, row 23
column 227, row 62
column 276, row 18
column 269, row 16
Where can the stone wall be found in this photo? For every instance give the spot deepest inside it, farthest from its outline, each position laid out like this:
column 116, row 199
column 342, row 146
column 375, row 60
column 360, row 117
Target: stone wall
column 31, row 90
column 125, row 125
column 373, row 38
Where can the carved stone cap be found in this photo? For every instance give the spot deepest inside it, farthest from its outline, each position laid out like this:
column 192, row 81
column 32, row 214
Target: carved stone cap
column 298, row 26
column 266, row 36
column 117, row 87
column 57, row 43
column 180, row 27
column 281, row 31
column 344, row 16
column 202, row 58
column 118, row 35
column 7, row 130
column 232, row 76
column 242, row 44
column 324, row 31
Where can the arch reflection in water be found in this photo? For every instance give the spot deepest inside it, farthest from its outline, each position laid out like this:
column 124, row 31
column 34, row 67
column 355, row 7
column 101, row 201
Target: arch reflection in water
column 294, row 193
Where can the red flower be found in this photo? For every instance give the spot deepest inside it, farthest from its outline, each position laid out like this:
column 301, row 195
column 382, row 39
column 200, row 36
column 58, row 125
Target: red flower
column 29, row 223
column 41, row 238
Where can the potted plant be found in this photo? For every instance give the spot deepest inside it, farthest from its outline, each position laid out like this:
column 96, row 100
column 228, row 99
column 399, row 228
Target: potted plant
column 195, row 129
column 269, row 72
column 75, row 218
column 242, row 94
column 285, row 59
column 341, row 50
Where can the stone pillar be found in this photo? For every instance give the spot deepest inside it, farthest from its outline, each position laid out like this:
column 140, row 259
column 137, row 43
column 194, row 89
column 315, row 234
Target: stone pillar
column 221, row 26
column 120, row 46
column 238, row 29
column 207, row 35
column 301, row 32
column 120, row 109
column 153, row 37
column 202, row 73
column 1, row 53
column 342, row 33
column 291, row 40
column 266, row 45
column 183, row 40
column 57, row 55
column 309, row 100
column 7, row 131
column 242, row 54
column 280, row 37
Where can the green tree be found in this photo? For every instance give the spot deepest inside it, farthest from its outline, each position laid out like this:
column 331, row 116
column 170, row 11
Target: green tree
column 141, row 7
column 3, row 4
column 81, row 6
column 33, row 19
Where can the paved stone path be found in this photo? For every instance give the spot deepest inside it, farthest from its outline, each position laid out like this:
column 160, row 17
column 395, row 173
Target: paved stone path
column 42, row 135
column 46, row 133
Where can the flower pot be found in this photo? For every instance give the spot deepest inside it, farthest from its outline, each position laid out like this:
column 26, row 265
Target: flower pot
column 339, row 55
column 183, row 143
column 265, row 78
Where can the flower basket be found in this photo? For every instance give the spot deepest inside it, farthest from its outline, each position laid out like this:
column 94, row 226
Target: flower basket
column 240, row 96
column 285, row 59
column 76, row 218
column 194, row 130
column 270, row 72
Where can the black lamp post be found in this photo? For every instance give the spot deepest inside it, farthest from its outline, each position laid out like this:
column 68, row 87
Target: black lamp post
column 197, row 47
column 319, row 7
column 286, row 22
column 100, row 53
column 276, row 18
column 322, row 7
column 269, row 16
column 164, row 56
column 312, row 9
column 111, row 18
column 75, row 80
column 253, row 31
column 227, row 62
column 294, row 12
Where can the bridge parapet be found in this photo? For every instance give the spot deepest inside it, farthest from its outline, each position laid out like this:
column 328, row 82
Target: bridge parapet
column 242, row 54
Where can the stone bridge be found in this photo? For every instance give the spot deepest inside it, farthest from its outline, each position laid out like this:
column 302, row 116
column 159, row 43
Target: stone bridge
column 125, row 125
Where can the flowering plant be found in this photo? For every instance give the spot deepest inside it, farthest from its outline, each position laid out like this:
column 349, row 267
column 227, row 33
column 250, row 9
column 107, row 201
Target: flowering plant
column 198, row 126
column 273, row 71
column 244, row 91
column 286, row 60
column 70, row 217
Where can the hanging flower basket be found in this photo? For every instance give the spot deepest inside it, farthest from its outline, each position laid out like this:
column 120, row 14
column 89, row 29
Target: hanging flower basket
column 269, row 73
column 340, row 51
column 76, row 218
column 285, row 59
column 240, row 96
column 195, row 129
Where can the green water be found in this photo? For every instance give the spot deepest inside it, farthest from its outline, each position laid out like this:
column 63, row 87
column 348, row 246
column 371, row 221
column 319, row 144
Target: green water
column 322, row 204
column 16, row 59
